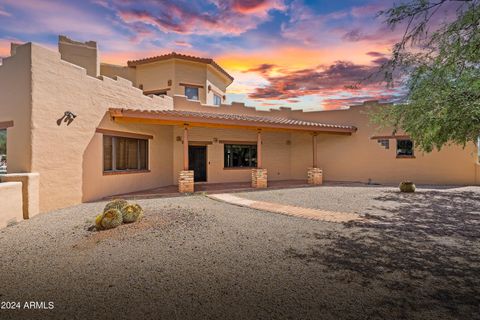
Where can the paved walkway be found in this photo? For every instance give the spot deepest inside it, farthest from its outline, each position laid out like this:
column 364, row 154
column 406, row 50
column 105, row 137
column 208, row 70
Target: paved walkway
column 308, row 213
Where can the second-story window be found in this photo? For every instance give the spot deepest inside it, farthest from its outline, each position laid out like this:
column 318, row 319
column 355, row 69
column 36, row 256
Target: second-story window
column 191, row 93
column 217, row 100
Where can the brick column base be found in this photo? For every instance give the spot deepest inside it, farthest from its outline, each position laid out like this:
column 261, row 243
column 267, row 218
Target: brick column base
column 259, row 178
column 315, row 176
column 185, row 181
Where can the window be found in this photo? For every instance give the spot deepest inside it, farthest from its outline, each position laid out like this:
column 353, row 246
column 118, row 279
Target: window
column 404, row 148
column 217, row 100
column 124, row 154
column 240, row 156
column 191, row 93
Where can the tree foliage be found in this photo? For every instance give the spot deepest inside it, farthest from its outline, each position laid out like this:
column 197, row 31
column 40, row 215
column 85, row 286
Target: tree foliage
column 443, row 73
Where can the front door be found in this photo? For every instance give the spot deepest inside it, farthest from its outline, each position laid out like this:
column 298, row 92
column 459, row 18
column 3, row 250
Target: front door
column 197, row 161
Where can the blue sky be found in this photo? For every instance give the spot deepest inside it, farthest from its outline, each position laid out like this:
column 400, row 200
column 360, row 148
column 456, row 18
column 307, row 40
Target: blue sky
column 291, row 53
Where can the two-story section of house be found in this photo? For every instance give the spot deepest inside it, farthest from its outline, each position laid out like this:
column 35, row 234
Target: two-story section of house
column 200, row 79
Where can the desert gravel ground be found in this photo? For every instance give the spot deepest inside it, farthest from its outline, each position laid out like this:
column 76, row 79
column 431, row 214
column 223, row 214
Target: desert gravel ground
column 416, row 256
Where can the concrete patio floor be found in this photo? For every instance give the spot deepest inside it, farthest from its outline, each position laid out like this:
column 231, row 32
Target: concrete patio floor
column 210, row 188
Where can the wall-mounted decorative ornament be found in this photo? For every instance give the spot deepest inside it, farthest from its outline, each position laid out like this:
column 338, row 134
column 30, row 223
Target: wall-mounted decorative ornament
column 169, row 82
column 178, row 138
column 215, row 140
column 209, row 88
column 67, row 117
column 289, row 142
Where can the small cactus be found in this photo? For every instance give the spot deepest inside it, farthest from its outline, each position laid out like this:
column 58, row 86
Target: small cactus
column 98, row 221
column 115, row 204
column 111, row 218
column 131, row 213
column 407, row 186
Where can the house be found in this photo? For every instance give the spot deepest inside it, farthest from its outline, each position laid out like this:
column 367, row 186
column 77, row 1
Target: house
column 91, row 130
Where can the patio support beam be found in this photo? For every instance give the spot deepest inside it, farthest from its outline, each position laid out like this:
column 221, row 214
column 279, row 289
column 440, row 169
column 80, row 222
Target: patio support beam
column 259, row 148
column 314, row 145
column 185, row 147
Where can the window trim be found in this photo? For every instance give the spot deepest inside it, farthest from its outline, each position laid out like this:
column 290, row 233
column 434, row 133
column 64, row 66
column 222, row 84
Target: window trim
column 219, row 97
column 239, row 143
column 114, row 171
column 192, row 87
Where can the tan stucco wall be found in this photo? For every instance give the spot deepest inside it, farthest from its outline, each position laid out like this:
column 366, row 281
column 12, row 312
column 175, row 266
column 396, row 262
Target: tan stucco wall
column 30, row 191
column 83, row 54
column 15, row 104
column 357, row 157
column 61, row 154
column 112, row 71
column 155, row 76
column 276, row 153
column 11, row 195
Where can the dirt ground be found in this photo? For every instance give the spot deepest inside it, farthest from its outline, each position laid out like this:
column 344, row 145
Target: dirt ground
column 415, row 256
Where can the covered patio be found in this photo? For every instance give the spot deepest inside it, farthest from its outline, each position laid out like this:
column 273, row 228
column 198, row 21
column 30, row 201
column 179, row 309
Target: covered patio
column 205, row 153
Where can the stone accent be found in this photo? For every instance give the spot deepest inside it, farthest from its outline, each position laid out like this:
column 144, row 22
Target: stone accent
column 185, row 182
column 259, row 178
column 30, row 191
column 315, row 176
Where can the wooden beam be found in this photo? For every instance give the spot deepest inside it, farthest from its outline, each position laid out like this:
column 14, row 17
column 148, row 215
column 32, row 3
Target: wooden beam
column 190, row 85
column 6, row 124
column 259, row 149
column 185, row 148
column 123, row 134
column 237, row 142
column 401, row 137
column 199, row 143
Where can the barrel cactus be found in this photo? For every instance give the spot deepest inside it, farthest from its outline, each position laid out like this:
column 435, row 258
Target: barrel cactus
column 407, row 186
column 98, row 221
column 131, row 213
column 115, row 204
column 111, row 218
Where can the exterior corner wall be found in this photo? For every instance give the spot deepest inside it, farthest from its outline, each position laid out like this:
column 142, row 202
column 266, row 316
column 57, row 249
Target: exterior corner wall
column 16, row 106
column 69, row 157
column 30, row 191
column 12, row 206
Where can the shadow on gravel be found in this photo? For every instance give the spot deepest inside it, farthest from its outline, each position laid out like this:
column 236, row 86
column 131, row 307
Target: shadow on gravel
column 423, row 253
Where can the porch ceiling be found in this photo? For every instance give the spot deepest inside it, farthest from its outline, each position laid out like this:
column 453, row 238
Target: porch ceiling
column 207, row 119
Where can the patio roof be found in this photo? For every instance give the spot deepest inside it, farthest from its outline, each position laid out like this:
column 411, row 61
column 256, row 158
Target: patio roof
column 206, row 119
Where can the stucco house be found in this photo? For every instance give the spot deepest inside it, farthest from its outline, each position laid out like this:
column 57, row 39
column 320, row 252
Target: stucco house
column 88, row 130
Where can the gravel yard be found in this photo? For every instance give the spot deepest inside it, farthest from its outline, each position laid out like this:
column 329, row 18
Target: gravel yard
column 415, row 256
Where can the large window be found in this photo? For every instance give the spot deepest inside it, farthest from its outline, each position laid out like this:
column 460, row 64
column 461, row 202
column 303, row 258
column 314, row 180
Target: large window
column 124, row 154
column 191, row 93
column 404, row 148
column 217, row 100
column 240, row 156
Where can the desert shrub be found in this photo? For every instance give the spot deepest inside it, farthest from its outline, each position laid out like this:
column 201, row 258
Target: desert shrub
column 407, row 186
column 98, row 221
column 131, row 213
column 111, row 218
column 115, row 204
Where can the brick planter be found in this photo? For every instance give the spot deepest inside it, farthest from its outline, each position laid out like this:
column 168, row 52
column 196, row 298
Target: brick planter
column 315, row 176
column 259, row 178
column 185, row 182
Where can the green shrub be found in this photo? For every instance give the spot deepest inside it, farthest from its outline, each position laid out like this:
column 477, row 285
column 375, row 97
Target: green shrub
column 407, row 186
column 131, row 213
column 115, row 204
column 111, row 218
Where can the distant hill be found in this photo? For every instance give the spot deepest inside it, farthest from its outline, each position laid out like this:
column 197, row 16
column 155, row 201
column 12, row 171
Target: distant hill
column 3, row 141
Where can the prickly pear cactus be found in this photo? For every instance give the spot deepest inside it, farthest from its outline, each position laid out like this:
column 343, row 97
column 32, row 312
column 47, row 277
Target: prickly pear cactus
column 407, row 186
column 131, row 213
column 115, row 204
column 111, row 218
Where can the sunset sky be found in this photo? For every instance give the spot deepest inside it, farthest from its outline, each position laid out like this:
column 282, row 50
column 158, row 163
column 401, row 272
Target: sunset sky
column 298, row 54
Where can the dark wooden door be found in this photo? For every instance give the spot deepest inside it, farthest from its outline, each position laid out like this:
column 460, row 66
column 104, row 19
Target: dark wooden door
column 197, row 161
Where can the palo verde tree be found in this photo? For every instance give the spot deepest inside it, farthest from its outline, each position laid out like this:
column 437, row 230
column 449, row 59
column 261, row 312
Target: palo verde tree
column 442, row 64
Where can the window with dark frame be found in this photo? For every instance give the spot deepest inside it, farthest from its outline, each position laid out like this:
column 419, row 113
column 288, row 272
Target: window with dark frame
column 191, row 93
column 404, row 148
column 217, row 100
column 124, row 154
column 240, row 156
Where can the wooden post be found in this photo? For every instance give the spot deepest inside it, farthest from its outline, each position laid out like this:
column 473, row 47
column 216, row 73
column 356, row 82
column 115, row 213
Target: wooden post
column 185, row 147
column 259, row 149
column 314, row 142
